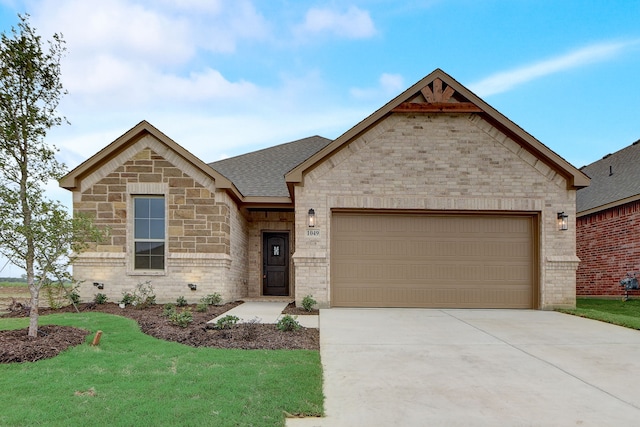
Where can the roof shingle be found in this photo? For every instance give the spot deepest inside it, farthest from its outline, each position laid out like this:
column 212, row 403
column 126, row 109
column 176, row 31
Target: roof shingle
column 615, row 177
column 261, row 173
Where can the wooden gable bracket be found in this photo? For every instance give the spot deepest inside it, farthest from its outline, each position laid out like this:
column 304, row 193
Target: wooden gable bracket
column 437, row 102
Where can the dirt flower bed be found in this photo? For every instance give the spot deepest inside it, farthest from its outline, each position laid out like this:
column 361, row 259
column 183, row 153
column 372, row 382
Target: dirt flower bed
column 292, row 310
column 16, row 346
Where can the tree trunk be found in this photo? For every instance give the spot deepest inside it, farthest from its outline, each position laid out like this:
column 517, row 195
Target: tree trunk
column 33, row 312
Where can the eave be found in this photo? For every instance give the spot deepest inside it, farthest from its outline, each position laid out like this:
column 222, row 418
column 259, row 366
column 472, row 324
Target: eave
column 608, row 205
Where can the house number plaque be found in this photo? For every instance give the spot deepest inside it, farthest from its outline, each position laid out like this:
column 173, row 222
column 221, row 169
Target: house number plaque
column 313, row 233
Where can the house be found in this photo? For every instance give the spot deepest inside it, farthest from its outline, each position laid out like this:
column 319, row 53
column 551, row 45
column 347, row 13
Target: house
column 608, row 218
column 434, row 200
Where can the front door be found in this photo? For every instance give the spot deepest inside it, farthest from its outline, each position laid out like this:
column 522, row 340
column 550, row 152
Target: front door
column 275, row 264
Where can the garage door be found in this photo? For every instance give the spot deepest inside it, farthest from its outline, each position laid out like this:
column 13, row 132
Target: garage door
column 432, row 260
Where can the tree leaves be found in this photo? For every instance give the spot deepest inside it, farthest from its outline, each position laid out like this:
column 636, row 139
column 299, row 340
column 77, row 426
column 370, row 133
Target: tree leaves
column 36, row 234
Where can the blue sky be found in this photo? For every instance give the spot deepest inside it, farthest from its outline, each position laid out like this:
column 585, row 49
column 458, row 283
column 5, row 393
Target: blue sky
column 223, row 78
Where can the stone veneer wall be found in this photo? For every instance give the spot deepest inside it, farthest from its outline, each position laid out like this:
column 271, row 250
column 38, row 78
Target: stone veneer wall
column 436, row 162
column 200, row 245
column 608, row 248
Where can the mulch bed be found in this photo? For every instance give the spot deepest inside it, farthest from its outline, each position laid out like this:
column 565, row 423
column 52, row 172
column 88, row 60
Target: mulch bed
column 299, row 311
column 16, row 346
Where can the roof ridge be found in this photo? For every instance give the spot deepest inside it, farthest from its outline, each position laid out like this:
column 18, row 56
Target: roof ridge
column 613, row 154
column 269, row 148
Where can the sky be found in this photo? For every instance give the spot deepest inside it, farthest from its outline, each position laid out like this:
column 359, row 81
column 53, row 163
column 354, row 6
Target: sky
column 226, row 77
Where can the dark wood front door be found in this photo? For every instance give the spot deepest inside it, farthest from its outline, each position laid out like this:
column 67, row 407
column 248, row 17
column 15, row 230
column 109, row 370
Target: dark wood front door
column 275, row 264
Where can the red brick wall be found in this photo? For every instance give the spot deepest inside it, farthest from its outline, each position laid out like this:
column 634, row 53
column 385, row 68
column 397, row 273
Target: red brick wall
column 608, row 245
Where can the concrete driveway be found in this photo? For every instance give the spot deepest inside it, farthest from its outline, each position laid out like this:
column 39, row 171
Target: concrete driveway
column 415, row 367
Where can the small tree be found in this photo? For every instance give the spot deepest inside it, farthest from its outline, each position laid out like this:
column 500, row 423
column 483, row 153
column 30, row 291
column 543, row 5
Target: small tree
column 36, row 234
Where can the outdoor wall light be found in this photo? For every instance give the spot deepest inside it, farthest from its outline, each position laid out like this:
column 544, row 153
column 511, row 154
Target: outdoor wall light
column 98, row 285
column 563, row 221
column 192, row 286
column 311, row 218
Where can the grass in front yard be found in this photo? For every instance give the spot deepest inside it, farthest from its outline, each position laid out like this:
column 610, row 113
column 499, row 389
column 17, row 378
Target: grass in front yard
column 618, row 312
column 133, row 379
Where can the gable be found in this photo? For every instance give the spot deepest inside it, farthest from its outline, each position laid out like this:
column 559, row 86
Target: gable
column 438, row 93
column 149, row 161
column 142, row 136
column 436, row 155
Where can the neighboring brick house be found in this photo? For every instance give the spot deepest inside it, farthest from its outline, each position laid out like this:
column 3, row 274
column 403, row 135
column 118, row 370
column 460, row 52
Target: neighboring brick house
column 434, row 200
column 608, row 224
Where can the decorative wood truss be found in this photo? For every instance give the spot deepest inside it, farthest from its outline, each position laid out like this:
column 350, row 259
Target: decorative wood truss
column 433, row 98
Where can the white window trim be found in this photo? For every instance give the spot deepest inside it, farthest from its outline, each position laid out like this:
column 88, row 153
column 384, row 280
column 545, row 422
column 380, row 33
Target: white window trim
column 143, row 189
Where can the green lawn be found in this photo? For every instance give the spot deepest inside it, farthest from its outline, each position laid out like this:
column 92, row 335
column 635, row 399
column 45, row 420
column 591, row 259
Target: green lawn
column 132, row 379
column 13, row 285
column 618, row 312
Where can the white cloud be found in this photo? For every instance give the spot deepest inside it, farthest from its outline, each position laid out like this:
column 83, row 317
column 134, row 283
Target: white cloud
column 388, row 85
column 113, row 82
column 209, row 136
column 159, row 60
column 100, row 74
column 205, row 112
column 391, row 82
column 207, row 6
column 167, row 32
column 506, row 80
column 205, row 85
column 116, row 27
column 131, row 53
column 354, row 23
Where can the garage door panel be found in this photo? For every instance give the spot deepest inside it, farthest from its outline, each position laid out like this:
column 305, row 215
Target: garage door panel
column 404, row 271
column 434, row 297
column 413, row 248
column 432, row 261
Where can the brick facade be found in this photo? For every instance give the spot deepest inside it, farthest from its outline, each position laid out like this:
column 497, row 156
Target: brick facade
column 436, row 162
column 608, row 246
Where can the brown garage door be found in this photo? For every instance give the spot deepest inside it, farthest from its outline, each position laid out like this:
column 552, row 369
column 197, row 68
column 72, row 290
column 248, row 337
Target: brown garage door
column 432, row 260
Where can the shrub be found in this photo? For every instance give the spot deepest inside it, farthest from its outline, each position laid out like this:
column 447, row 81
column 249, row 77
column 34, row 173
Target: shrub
column 127, row 298
column 308, row 302
column 150, row 300
column 57, row 294
column 141, row 297
column 250, row 330
column 226, row 322
column 74, row 296
column 288, row 323
column 181, row 301
column 168, row 310
column 182, row 318
column 100, row 298
column 211, row 299
column 202, row 307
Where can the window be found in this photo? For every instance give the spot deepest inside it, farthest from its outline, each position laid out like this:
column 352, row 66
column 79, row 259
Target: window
column 149, row 219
